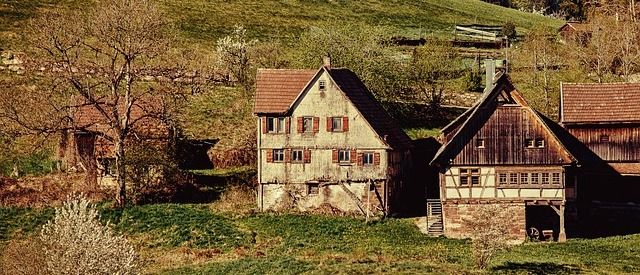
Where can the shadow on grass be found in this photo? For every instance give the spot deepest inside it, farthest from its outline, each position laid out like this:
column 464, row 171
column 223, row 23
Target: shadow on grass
column 536, row 268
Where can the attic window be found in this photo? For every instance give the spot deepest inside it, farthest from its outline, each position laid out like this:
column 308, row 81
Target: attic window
column 539, row 143
column 604, row 138
column 534, row 143
column 479, row 143
column 322, row 85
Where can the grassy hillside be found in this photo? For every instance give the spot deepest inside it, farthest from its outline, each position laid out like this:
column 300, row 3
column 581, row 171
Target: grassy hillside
column 203, row 21
column 197, row 239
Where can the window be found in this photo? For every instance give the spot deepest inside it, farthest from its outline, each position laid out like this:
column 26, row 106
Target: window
column 502, row 178
column 108, row 166
column 513, row 178
column 534, row 143
column 336, row 124
column 313, row 188
column 545, row 178
column 278, row 155
column 555, row 178
column 307, row 124
column 275, row 125
column 322, row 85
column 524, row 178
column 535, row 178
column 367, row 158
column 297, row 156
column 479, row 143
column 469, row 176
column 529, row 143
column 604, row 138
column 344, row 156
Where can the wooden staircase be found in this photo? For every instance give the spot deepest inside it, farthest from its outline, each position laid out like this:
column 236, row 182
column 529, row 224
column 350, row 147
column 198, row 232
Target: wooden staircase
column 435, row 223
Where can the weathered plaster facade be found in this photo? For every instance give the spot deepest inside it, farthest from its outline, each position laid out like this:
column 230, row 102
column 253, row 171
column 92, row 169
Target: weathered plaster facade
column 321, row 180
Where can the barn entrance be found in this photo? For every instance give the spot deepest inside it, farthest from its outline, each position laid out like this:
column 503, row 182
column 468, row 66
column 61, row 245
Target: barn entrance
column 545, row 222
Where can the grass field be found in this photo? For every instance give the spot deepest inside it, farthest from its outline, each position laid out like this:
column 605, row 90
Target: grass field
column 203, row 21
column 197, row 239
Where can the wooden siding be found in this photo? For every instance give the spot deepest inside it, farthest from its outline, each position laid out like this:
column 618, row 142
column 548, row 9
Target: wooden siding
column 623, row 142
column 504, row 133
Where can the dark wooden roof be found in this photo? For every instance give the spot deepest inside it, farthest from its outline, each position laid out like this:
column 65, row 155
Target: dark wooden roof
column 599, row 103
column 372, row 111
column 276, row 89
column 498, row 101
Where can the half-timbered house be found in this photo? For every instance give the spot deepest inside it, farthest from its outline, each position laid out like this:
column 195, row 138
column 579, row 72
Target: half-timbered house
column 503, row 152
column 325, row 144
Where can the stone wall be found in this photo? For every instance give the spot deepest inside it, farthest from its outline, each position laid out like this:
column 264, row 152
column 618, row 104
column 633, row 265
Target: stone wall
column 455, row 215
column 330, row 198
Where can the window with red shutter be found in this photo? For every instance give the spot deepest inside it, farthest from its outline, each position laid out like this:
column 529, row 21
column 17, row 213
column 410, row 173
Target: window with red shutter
column 353, row 158
column 329, row 124
column 269, row 156
column 299, row 125
column 264, row 124
column 360, row 161
column 307, row 156
column 345, row 124
column 316, row 124
column 376, row 158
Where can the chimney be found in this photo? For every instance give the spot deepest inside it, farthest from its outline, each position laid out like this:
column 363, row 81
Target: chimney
column 326, row 61
column 490, row 67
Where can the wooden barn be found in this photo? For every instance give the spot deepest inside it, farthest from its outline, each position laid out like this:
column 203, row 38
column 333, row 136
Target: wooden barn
column 502, row 152
column 605, row 118
column 87, row 144
column 325, row 144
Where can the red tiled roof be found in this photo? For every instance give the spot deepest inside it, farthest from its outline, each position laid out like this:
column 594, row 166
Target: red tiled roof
column 143, row 116
column 578, row 26
column 600, row 103
column 276, row 89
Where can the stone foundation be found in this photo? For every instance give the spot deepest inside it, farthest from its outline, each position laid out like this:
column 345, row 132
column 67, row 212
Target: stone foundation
column 454, row 216
column 331, row 198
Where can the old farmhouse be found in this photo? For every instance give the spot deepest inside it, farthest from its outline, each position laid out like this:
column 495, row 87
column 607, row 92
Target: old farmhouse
column 325, row 144
column 502, row 152
column 87, row 145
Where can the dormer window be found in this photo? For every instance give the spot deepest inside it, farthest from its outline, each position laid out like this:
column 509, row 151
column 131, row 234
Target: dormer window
column 322, row 85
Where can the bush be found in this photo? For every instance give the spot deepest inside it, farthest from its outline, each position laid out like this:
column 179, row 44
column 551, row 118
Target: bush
column 75, row 242
column 490, row 232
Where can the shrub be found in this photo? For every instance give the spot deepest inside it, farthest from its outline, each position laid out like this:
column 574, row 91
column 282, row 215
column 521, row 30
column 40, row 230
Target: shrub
column 490, row 232
column 75, row 242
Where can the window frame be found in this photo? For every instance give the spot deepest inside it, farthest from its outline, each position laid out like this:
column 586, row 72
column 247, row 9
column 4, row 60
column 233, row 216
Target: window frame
column 480, row 143
column 280, row 153
column 342, row 153
column 339, row 121
column 368, row 158
column 469, row 177
column 322, row 85
column 279, row 125
column 293, row 155
column 313, row 188
column 544, row 177
column 308, row 130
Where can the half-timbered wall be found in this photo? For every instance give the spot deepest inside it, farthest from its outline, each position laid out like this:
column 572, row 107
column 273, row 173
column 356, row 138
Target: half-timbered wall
column 506, row 136
column 489, row 186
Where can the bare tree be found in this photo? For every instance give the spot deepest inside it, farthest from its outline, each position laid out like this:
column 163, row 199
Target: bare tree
column 433, row 64
column 100, row 60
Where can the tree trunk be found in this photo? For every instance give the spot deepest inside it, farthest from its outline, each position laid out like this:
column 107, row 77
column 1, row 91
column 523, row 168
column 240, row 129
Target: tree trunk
column 121, row 192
